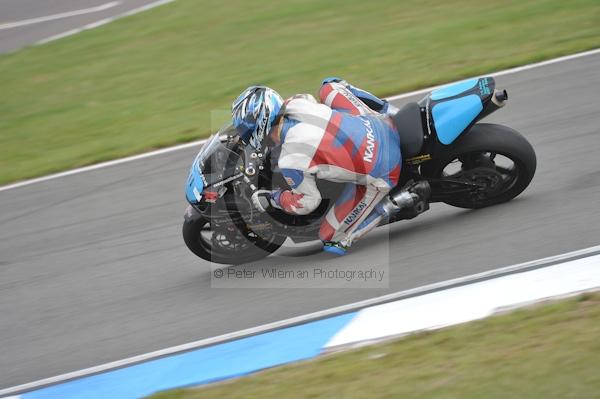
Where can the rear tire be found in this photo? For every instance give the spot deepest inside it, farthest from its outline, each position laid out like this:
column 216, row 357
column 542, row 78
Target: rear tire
column 486, row 138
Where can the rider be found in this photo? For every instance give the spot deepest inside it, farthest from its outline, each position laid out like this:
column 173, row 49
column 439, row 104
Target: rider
column 349, row 137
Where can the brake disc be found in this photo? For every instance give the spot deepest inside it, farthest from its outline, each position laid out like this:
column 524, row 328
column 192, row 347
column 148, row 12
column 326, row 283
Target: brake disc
column 490, row 180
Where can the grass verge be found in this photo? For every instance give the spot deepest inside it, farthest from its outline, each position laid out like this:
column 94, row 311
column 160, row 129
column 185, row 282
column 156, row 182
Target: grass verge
column 152, row 80
column 547, row 351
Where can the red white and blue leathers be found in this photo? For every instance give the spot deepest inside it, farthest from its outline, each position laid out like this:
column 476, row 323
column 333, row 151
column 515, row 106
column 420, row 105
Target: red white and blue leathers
column 340, row 140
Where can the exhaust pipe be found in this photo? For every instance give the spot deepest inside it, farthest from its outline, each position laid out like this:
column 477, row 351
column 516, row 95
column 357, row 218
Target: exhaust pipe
column 499, row 98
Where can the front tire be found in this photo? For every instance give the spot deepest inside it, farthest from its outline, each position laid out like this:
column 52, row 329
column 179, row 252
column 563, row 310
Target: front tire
column 201, row 240
column 476, row 152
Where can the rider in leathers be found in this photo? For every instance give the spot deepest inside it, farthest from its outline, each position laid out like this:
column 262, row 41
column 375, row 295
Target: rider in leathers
column 341, row 139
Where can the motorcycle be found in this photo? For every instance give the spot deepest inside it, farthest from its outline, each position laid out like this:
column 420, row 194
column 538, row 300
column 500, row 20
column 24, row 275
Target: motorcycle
column 466, row 163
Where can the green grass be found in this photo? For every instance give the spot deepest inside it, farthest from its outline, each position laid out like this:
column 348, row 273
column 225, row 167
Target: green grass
column 548, row 351
column 153, row 79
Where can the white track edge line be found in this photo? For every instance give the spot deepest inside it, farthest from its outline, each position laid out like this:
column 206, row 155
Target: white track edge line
column 96, row 24
column 504, row 72
column 195, row 143
column 103, row 164
column 299, row 320
column 62, row 15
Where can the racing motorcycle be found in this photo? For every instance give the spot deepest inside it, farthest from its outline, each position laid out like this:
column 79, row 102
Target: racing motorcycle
column 466, row 163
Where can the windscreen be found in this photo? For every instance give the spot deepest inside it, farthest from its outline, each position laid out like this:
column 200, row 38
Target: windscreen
column 215, row 161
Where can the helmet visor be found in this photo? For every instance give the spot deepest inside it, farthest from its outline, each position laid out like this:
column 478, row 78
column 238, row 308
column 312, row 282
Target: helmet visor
column 253, row 137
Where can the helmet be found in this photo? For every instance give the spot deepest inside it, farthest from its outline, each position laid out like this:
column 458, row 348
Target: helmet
column 254, row 112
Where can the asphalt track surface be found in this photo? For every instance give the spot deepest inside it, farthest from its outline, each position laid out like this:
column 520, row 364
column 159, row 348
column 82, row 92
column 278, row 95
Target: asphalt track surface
column 19, row 10
column 93, row 268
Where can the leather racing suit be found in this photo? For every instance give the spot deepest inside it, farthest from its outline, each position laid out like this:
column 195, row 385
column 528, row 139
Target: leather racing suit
column 340, row 139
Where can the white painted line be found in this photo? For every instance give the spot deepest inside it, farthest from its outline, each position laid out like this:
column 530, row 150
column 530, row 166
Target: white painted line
column 469, row 302
column 145, row 8
column 59, row 36
column 183, row 146
column 31, row 21
column 77, row 30
column 99, row 23
column 503, row 72
column 104, row 164
column 522, row 267
column 103, row 21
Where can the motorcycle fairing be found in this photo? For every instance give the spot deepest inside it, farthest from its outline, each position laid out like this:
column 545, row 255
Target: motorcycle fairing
column 452, row 117
column 453, row 89
column 195, row 183
column 213, row 165
column 455, row 107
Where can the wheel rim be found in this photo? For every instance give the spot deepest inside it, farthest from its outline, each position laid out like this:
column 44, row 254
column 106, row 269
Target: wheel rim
column 494, row 173
column 230, row 242
column 220, row 242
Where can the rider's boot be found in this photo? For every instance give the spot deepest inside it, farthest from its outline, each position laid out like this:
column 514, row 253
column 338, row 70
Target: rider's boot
column 335, row 247
column 410, row 201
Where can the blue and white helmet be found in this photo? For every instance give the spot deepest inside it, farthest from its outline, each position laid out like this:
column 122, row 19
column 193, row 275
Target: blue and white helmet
column 254, row 112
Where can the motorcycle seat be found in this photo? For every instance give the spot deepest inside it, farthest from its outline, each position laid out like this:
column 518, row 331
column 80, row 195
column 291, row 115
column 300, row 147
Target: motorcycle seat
column 410, row 128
